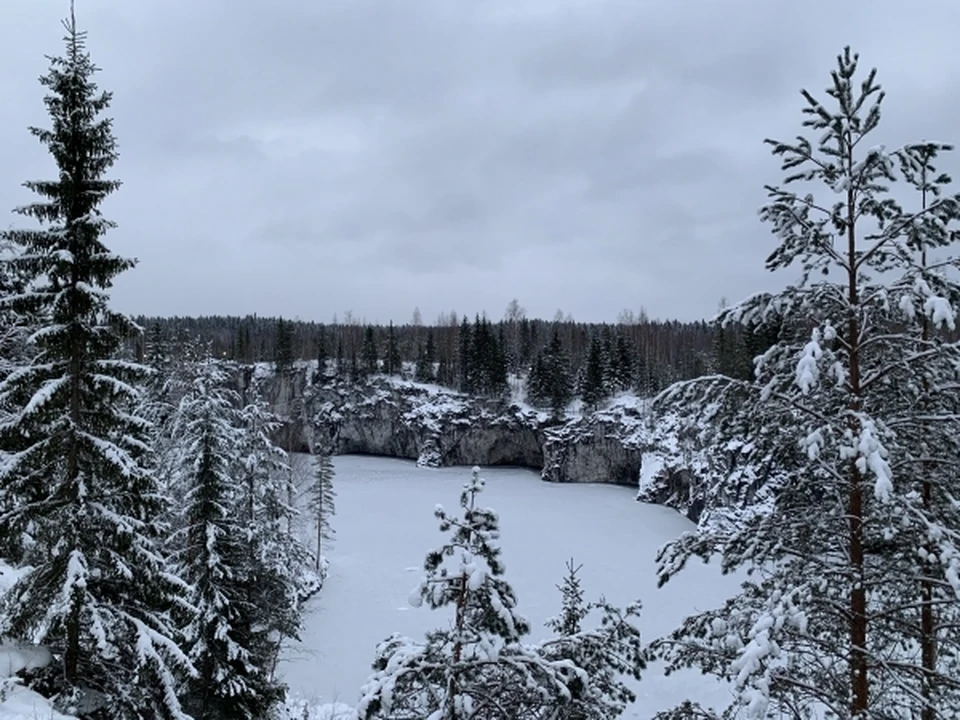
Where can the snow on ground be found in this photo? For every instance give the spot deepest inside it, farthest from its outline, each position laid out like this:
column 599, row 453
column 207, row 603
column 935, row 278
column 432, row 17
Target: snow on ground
column 16, row 701
column 385, row 526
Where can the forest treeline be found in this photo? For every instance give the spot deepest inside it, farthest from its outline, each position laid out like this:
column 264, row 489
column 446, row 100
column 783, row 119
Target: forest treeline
column 477, row 354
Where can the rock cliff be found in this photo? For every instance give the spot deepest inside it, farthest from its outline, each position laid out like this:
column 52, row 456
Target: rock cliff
column 436, row 427
column 621, row 443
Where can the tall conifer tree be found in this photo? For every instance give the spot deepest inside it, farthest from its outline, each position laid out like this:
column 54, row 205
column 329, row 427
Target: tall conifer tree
column 78, row 486
column 848, row 436
column 214, row 554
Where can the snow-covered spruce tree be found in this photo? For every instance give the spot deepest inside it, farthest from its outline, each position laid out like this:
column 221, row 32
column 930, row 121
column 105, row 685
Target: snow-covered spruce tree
column 477, row 669
column 592, row 389
column 283, row 346
column 850, row 423
column 15, row 325
column 426, row 360
column 621, row 364
column 321, row 501
column 606, row 654
column 393, row 362
column 15, row 348
column 279, row 561
column 549, row 383
column 164, row 387
column 212, row 549
column 77, row 489
column 371, row 361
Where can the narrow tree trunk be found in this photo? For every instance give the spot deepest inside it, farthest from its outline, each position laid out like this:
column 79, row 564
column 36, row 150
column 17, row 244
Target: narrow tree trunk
column 459, row 619
column 928, row 631
column 71, row 657
column 859, row 680
column 252, row 492
column 320, row 528
column 290, row 500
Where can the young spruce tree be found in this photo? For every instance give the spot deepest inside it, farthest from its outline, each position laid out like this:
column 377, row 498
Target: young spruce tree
column 849, row 436
column 213, row 552
column 278, row 560
column 77, row 490
column 592, row 389
column 321, row 501
column 607, row 654
column 478, row 668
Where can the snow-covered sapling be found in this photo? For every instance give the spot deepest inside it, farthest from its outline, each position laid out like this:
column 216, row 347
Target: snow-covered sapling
column 607, row 654
column 477, row 668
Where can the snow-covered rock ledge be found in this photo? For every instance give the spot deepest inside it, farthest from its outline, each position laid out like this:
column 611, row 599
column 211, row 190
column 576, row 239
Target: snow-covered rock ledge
column 439, row 427
column 603, row 446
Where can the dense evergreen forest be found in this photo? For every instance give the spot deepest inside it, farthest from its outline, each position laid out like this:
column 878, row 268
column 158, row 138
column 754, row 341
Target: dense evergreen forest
column 476, row 354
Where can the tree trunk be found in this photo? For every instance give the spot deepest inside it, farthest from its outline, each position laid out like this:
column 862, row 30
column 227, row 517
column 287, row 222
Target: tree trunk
column 928, row 628
column 319, row 537
column 71, row 656
column 859, row 680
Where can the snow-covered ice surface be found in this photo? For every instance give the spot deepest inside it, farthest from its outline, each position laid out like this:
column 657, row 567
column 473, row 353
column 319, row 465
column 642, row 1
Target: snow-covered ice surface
column 385, row 526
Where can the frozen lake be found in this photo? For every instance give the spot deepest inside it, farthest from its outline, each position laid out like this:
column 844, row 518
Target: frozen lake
column 385, row 526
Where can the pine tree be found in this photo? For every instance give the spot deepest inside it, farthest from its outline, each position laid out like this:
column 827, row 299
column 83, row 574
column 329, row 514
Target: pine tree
column 478, row 668
column 425, row 360
column 537, row 382
column 465, row 369
column 756, row 338
column 394, row 363
column 430, row 352
column 278, row 561
column 78, row 487
column 928, row 435
column 15, row 351
column 444, row 374
column 605, row 654
column 592, row 388
column 322, row 501
column 649, row 382
column 160, row 394
column 283, row 346
column 242, row 343
column 339, row 363
column 837, row 437
column 356, row 371
column 480, row 357
column 726, row 358
column 371, row 364
column 168, row 381
column 622, row 364
column 549, row 383
column 496, row 364
column 321, row 352
column 214, row 558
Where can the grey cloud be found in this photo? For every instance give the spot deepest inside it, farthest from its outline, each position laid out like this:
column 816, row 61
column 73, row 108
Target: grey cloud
column 304, row 158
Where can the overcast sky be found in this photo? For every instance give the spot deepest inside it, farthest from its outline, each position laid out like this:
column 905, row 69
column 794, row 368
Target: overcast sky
column 308, row 157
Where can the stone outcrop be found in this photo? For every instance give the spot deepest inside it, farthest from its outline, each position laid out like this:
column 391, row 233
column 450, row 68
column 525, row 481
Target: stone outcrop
column 605, row 446
column 439, row 427
column 619, row 444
